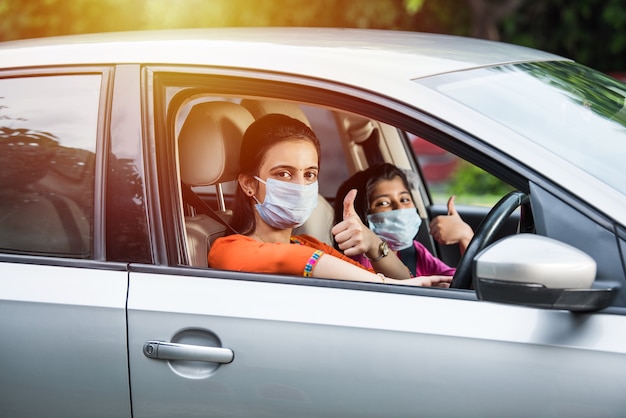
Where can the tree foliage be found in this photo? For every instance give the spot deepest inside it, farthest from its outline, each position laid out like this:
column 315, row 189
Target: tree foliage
column 590, row 31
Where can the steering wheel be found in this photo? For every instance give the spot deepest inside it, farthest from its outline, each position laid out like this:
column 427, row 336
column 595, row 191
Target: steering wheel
column 485, row 234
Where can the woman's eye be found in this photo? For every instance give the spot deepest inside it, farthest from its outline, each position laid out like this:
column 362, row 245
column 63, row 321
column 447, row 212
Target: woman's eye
column 311, row 175
column 283, row 174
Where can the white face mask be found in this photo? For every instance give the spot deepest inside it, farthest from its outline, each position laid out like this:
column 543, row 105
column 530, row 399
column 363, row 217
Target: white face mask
column 287, row 205
column 398, row 227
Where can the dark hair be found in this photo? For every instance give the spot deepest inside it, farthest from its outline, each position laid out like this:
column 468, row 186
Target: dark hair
column 260, row 136
column 364, row 182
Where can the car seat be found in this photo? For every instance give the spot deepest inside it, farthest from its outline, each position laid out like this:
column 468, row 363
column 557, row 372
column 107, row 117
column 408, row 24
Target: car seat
column 208, row 146
column 320, row 222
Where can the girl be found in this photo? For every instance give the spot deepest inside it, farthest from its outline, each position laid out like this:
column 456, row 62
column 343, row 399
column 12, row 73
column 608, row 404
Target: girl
column 383, row 201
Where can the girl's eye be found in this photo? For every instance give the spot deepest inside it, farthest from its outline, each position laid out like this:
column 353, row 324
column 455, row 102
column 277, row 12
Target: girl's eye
column 285, row 175
column 382, row 203
column 311, row 175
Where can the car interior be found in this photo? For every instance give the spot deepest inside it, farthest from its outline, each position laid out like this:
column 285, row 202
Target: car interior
column 210, row 131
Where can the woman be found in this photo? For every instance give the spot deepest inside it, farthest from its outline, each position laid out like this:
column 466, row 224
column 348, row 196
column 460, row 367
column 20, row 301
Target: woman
column 384, row 202
column 279, row 165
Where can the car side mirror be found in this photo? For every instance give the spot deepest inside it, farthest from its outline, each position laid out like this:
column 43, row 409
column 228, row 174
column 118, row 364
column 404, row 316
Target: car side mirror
column 540, row 272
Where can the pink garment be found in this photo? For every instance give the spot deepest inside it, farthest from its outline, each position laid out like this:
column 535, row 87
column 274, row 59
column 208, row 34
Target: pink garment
column 426, row 263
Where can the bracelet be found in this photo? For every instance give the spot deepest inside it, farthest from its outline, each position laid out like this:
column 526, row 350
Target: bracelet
column 382, row 277
column 308, row 268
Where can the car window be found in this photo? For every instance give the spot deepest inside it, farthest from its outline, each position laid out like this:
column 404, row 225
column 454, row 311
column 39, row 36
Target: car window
column 350, row 142
column 48, row 127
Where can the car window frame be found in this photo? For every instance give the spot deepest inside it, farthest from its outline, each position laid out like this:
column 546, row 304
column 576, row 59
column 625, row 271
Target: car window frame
column 244, row 83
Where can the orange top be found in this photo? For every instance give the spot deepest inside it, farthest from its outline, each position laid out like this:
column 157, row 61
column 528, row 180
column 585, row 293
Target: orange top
column 243, row 253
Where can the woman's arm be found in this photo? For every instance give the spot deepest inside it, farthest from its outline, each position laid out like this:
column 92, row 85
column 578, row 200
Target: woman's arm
column 329, row 267
column 226, row 253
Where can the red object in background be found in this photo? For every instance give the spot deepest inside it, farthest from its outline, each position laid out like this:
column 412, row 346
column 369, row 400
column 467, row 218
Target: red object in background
column 437, row 164
column 621, row 76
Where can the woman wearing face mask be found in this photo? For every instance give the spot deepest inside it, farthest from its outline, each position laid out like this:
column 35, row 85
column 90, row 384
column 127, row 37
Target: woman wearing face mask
column 383, row 202
column 279, row 165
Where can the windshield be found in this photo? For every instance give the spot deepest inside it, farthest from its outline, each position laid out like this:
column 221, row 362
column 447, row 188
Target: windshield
column 571, row 110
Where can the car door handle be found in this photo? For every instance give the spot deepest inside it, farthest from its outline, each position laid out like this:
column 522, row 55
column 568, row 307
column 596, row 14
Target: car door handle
column 163, row 350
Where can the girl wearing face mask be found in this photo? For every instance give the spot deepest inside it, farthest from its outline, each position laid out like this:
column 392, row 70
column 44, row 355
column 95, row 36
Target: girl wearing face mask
column 279, row 166
column 384, row 203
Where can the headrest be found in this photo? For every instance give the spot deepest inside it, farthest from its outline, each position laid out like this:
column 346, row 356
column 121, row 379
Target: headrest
column 260, row 108
column 209, row 143
column 360, row 129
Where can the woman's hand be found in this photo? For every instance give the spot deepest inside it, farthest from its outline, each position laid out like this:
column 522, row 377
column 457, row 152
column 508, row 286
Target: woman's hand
column 426, row 281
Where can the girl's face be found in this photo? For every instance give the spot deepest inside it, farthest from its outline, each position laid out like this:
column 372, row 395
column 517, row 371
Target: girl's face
column 389, row 195
column 293, row 160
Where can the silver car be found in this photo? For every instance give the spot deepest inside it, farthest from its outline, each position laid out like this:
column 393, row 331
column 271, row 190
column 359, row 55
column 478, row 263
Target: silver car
column 116, row 174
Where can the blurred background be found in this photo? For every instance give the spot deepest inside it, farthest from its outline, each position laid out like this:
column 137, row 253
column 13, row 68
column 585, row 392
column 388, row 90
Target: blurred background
column 589, row 31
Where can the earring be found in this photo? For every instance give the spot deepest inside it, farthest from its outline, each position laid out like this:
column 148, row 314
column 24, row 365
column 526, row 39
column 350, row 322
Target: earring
column 250, row 193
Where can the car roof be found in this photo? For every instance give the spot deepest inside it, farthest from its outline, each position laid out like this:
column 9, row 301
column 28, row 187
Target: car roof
column 337, row 54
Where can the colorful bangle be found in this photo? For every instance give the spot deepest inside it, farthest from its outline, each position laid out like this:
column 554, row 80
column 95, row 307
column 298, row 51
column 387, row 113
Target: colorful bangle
column 308, row 268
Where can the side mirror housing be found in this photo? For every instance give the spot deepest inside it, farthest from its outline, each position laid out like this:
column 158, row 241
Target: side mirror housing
column 537, row 271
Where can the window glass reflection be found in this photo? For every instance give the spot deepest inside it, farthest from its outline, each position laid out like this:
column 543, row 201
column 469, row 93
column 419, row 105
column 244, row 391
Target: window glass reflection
column 48, row 131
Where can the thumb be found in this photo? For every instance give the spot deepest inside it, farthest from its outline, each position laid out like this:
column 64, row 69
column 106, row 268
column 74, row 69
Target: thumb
column 348, row 204
column 451, row 208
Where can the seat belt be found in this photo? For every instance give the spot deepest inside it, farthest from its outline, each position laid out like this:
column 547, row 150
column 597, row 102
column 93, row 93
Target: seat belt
column 409, row 258
column 193, row 199
column 371, row 147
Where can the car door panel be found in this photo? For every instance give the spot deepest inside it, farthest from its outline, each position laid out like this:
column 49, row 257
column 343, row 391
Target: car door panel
column 63, row 341
column 304, row 350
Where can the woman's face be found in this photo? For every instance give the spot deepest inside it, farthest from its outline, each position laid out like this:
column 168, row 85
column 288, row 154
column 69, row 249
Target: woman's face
column 293, row 160
column 389, row 195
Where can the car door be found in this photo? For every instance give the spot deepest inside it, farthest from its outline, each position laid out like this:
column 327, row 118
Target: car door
column 301, row 347
column 207, row 342
column 62, row 309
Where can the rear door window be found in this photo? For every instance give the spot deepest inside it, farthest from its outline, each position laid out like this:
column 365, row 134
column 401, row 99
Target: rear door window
column 48, row 130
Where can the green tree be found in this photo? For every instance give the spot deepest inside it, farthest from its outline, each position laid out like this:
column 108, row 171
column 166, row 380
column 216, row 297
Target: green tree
column 592, row 32
column 473, row 185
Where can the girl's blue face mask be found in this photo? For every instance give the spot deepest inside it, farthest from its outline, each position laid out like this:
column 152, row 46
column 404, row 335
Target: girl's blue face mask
column 287, row 205
column 398, row 227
